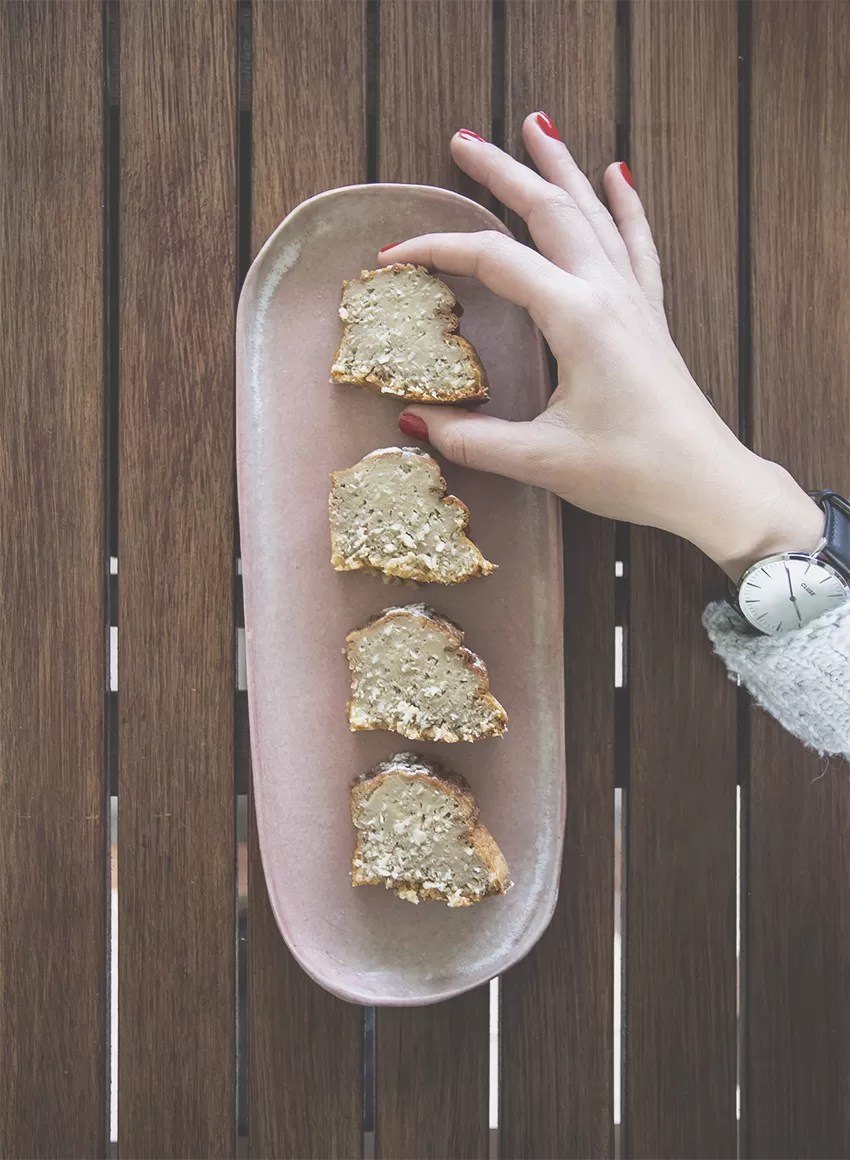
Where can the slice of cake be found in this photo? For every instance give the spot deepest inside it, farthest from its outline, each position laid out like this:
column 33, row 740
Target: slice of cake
column 411, row 674
column 418, row 833
column 390, row 513
column 400, row 337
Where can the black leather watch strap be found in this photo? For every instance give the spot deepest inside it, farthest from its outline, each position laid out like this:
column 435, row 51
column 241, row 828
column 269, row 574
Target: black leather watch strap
column 836, row 546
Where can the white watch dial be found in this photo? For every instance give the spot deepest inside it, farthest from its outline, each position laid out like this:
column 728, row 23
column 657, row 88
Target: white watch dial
column 786, row 592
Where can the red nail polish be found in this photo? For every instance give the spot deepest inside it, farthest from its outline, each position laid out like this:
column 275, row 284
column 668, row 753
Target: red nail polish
column 391, row 246
column 468, row 135
column 413, row 426
column 627, row 174
column 548, row 126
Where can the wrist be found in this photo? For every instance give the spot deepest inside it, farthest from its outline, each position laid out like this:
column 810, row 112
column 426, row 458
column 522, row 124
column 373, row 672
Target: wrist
column 770, row 513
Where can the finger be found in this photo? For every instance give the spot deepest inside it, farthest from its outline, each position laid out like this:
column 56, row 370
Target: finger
column 506, row 267
column 560, row 230
column 521, row 451
column 555, row 162
column 629, row 215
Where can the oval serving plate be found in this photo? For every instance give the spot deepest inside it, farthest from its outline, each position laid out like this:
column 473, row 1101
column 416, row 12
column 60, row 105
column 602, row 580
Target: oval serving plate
column 294, row 427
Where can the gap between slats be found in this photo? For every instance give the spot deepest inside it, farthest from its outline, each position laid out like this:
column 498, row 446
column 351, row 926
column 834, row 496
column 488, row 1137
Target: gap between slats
column 497, row 136
column 622, row 615
column 111, row 174
column 241, row 754
column 745, row 412
column 373, row 145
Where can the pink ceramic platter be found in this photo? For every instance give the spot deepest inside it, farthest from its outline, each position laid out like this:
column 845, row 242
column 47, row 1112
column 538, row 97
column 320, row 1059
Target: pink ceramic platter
column 294, row 428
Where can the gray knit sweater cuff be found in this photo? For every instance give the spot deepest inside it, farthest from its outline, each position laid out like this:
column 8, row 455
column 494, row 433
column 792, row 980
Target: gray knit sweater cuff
column 801, row 678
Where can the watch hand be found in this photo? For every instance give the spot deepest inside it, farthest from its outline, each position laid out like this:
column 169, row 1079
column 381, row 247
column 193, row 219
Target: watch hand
column 793, row 597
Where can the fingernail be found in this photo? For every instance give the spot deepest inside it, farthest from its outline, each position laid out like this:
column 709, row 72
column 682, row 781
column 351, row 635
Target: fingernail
column 548, row 126
column 413, row 426
column 627, row 174
column 391, row 246
column 468, row 135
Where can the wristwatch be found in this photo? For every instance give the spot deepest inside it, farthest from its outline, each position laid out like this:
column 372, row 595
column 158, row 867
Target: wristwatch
column 789, row 590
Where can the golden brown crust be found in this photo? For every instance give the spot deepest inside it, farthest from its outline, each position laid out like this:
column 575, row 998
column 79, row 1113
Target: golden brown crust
column 471, row 660
column 404, row 569
column 451, row 317
column 475, row 833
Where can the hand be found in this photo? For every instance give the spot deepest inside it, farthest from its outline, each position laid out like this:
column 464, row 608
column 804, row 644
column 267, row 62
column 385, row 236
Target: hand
column 628, row 433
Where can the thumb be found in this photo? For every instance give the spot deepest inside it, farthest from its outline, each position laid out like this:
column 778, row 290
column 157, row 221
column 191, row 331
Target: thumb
column 482, row 442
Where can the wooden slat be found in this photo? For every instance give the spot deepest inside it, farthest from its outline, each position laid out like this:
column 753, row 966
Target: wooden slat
column 52, row 682
column 435, row 69
column 432, row 1080
column 176, row 947
column 309, row 134
column 680, row 894
column 796, row 1091
column 557, row 1005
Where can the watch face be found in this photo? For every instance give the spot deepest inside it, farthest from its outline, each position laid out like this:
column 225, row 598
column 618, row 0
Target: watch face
column 786, row 592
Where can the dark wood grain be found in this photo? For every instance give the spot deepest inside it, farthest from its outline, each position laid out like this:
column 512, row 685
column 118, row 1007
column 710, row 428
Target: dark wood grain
column 309, row 134
column 557, row 1031
column 176, row 949
column 432, row 1063
column 557, row 1005
column 797, row 1098
column 681, row 970
column 53, row 804
column 432, row 1081
column 435, row 70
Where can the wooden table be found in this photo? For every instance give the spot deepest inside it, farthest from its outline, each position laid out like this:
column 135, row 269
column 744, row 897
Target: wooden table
column 147, row 151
